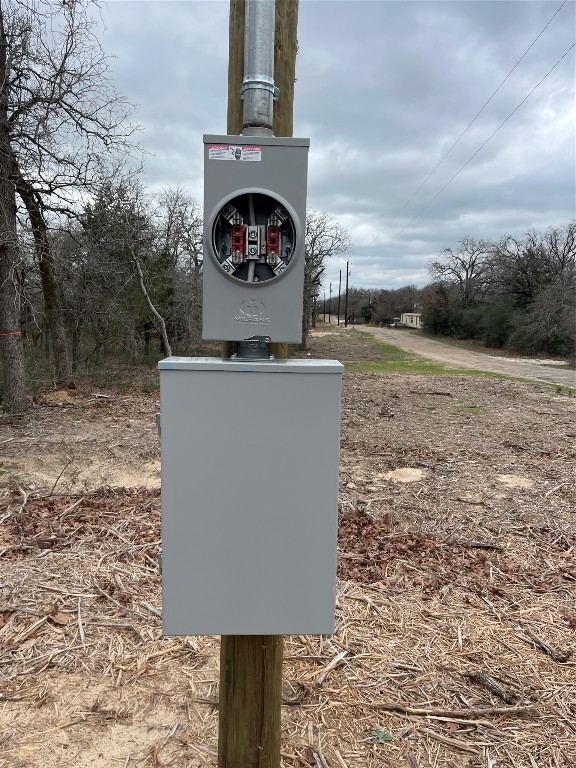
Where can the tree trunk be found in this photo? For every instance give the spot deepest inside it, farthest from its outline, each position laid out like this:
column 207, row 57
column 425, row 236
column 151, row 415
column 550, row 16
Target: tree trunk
column 305, row 320
column 196, row 309
column 11, row 348
column 76, row 344
column 50, row 288
column 15, row 397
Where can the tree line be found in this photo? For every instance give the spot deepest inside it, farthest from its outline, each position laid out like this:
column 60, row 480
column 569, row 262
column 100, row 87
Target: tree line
column 90, row 264
column 515, row 292
column 63, row 130
column 127, row 269
column 129, row 274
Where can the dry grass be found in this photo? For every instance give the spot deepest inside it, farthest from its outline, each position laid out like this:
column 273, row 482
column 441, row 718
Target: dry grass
column 456, row 613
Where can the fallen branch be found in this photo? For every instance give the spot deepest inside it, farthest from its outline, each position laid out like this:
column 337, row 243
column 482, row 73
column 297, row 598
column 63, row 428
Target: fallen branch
column 465, row 746
column 60, row 475
column 171, row 733
column 341, row 761
column 336, row 661
column 520, row 711
column 493, row 685
column 30, row 631
column 81, row 624
column 151, row 608
column 560, row 656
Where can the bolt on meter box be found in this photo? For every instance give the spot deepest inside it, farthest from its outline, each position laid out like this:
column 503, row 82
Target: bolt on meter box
column 254, row 227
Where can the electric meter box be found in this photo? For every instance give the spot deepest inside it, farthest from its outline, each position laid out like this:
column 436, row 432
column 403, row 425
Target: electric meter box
column 254, row 227
column 249, row 495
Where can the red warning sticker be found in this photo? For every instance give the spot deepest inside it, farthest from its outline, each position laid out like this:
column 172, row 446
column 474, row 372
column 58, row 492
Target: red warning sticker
column 231, row 152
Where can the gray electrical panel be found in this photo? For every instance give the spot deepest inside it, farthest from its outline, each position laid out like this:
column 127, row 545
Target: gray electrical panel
column 249, row 495
column 254, row 227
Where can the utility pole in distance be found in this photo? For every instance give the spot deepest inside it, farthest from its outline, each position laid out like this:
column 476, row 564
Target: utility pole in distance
column 250, row 697
column 339, row 294
column 346, row 297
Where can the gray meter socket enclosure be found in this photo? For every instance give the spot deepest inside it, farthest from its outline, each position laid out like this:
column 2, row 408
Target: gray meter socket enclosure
column 254, row 226
column 249, row 502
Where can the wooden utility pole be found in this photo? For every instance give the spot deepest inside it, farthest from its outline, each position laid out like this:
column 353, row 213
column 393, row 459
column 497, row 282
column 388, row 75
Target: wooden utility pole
column 235, row 75
column 285, row 48
column 250, row 701
column 235, row 66
column 251, row 665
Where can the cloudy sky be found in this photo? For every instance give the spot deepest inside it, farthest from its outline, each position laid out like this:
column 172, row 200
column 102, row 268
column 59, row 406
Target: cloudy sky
column 384, row 89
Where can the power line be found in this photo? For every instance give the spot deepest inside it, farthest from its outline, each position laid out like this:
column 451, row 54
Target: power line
column 458, row 172
column 471, row 123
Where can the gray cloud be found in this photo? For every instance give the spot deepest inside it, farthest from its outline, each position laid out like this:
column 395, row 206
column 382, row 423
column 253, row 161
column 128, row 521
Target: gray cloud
column 383, row 90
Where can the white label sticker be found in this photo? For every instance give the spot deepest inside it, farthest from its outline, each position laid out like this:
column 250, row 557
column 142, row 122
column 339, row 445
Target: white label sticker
column 230, row 152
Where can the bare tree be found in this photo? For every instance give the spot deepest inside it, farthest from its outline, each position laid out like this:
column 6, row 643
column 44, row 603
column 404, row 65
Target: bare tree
column 517, row 291
column 550, row 324
column 523, row 267
column 465, row 267
column 560, row 242
column 64, row 118
column 180, row 226
column 325, row 239
column 519, row 269
column 120, row 271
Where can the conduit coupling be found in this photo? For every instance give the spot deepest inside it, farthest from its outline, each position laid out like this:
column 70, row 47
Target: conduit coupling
column 261, row 82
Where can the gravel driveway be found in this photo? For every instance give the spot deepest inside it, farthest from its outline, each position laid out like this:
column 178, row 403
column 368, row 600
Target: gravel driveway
column 539, row 370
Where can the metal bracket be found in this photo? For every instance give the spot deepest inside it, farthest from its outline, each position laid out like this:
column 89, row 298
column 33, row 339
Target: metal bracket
column 254, row 348
column 261, row 82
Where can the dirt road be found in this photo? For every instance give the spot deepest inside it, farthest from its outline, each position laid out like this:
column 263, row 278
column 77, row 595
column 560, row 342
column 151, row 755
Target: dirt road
column 538, row 370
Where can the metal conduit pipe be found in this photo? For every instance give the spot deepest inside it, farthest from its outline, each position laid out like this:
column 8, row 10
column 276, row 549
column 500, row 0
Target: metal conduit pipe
column 258, row 90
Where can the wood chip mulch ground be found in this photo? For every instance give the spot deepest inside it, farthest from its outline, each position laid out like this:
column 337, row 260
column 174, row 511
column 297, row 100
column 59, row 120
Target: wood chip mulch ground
column 456, row 614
